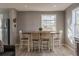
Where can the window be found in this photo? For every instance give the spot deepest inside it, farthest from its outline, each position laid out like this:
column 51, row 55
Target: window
column 48, row 22
column 77, row 22
column 75, row 18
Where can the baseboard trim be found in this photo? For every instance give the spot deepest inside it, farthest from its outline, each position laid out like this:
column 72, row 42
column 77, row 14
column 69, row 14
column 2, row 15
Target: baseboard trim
column 69, row 47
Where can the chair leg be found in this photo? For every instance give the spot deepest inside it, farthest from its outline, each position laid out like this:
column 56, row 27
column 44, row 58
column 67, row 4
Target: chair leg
column 39, row 46
column 28, row 48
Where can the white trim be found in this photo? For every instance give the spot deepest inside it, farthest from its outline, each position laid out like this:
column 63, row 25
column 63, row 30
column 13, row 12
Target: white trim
column 69, row 47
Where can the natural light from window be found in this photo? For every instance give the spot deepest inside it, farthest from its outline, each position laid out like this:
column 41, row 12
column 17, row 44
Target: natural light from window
column 77, row 22
column 48, row 22
column 75, row 19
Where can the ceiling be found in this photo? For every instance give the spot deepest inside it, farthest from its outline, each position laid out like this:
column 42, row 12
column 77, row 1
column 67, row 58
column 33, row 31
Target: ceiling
column 36, row 6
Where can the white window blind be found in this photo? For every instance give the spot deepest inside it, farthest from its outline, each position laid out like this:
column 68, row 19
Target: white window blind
column 75, row 18
column 48, row 22
column 77, row 22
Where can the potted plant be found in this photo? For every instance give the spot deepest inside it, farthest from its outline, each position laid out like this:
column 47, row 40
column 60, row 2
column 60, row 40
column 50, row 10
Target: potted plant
column 40, row 29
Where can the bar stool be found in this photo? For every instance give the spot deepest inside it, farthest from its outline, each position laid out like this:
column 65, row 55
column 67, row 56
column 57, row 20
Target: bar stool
column 57, row 39
column 45, row 41
column 24, row 41
column 35, row 42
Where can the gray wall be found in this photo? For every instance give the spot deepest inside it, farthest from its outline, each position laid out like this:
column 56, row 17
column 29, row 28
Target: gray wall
column 13, row 30
column 30, row 21
column 68, row 18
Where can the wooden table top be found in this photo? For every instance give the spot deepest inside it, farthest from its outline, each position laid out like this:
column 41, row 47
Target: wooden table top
column 40, row 32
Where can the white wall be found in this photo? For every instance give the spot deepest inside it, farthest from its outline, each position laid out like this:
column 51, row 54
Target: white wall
column 30, row 21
